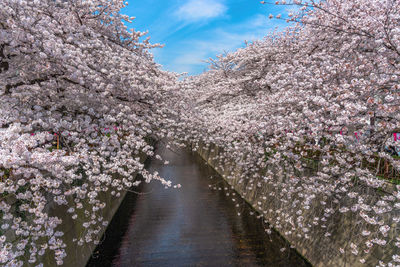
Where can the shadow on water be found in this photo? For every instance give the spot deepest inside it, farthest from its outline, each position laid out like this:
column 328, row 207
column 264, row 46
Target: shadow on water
column 196, row 225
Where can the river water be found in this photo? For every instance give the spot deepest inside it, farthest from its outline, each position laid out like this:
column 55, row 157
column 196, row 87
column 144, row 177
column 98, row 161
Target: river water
column 195, row 225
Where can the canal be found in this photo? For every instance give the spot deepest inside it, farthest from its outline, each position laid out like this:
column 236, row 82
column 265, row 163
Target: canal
column 195, row 225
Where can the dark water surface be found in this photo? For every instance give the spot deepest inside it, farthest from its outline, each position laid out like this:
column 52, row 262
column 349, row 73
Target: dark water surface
column 196, row 225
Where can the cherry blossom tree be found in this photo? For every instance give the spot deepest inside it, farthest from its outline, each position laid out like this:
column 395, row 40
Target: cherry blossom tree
column 311, row 112
column 80, row 95
column 317, row 104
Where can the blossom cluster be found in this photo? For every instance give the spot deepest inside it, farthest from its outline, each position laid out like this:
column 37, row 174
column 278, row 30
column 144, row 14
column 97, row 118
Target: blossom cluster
column 336, row 66
column 71, row 68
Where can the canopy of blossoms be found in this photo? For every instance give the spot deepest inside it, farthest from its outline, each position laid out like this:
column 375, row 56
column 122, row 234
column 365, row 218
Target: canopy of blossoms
column 79, row 97
column 322, row 95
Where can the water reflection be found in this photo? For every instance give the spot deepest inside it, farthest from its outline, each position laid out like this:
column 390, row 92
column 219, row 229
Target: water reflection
column 196, row 225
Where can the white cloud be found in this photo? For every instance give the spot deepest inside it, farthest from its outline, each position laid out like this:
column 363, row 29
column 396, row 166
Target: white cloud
column 259, row 21
column 190, row 62
column 195, row 10
column 194, row 52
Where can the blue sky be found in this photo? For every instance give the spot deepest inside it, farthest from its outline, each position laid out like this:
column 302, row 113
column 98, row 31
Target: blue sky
column 195, row 30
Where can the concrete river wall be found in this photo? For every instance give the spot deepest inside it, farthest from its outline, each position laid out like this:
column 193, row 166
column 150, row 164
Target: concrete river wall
column 320, row 249
column 72, row 228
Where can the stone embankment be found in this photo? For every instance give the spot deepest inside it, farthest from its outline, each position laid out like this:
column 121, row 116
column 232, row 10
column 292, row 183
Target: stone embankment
column 73, row 229
column 320, row 249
